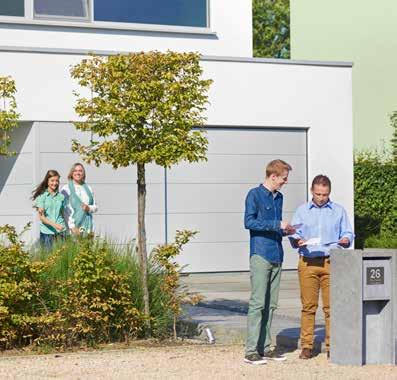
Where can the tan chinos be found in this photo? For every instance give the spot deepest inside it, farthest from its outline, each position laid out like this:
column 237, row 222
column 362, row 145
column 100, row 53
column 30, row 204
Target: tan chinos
column 314, row 274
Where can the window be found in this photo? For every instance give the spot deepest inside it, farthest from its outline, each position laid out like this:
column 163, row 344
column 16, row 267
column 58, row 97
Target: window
column 12, row 8
column 191, row 13
column 74, row 9
column 179, row 16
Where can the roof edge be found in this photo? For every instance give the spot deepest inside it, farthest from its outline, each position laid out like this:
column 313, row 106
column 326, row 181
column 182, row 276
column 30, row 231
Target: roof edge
column 45, row 50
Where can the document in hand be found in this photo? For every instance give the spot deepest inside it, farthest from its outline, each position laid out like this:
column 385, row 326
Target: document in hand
column 313, row 241
column 296, row 226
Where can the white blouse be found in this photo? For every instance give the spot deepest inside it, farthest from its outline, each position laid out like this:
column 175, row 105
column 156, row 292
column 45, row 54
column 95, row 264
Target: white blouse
column 81, row 193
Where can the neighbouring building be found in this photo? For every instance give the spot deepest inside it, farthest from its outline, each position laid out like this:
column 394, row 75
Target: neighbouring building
column 363, row 32
column 260, row 109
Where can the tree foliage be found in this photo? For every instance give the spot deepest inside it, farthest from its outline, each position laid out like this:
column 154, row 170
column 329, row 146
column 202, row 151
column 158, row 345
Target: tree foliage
column 143, row 108
column 8, row 113
column 271, row 28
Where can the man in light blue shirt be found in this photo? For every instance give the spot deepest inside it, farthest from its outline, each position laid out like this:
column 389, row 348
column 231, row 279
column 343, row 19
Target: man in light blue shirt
column 320, row 225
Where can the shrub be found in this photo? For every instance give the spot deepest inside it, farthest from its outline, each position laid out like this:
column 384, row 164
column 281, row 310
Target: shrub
column 99, row 303
column 84, row 291
column 22, row 311
column 375, row 183
column 178, row 294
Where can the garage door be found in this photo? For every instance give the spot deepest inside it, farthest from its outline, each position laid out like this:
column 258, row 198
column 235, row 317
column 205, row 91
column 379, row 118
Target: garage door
column 209, row 197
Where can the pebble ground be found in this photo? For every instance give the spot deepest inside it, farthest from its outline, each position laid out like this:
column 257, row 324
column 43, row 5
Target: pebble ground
column 183, row 361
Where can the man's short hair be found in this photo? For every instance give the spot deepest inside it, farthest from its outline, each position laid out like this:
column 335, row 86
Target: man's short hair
column 321, row 180
column 277, row 167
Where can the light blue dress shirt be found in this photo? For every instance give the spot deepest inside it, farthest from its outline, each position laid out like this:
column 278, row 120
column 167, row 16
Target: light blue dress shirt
column 328, row 222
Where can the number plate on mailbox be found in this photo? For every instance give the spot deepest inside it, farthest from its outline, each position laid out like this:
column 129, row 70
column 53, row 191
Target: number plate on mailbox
column 376, row 279
column 375, row 275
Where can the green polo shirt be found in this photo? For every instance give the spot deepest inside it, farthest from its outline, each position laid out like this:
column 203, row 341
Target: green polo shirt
column 53, row 205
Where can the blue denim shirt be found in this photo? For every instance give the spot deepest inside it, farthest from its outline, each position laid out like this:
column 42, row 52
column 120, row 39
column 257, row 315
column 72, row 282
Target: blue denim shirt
column 328, row 222
column 263, row 213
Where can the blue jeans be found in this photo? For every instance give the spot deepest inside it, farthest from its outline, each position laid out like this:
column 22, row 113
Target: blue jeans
column 47, row 240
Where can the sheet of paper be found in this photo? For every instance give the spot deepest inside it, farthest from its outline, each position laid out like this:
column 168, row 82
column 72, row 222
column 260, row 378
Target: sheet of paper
column 313, row 241
column 296, row 226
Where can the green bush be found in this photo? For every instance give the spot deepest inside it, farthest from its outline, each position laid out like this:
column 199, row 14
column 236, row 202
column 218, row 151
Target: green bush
column 375, row 200
column 22, row 311
column 84, row 291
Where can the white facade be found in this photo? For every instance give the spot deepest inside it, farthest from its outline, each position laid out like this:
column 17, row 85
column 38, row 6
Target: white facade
column 259, row 110
column 229, row 33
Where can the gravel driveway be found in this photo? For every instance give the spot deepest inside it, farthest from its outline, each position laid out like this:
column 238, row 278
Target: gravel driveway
column 179, row 362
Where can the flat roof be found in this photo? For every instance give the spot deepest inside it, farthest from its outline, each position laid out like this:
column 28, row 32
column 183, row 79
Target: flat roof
column 274, row 61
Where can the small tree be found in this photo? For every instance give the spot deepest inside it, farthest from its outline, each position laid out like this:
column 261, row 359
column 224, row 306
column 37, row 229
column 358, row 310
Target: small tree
column 142, row 110
column 8, row 114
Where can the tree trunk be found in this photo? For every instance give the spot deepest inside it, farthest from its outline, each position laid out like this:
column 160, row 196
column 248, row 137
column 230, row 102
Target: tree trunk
column 142, row 253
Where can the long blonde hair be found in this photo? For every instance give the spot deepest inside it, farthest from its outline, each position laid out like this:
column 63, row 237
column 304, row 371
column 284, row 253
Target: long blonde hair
column 70, row 175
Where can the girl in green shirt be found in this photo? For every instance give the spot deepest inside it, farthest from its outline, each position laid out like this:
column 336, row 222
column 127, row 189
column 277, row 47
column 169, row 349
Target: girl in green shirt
column 50, row 204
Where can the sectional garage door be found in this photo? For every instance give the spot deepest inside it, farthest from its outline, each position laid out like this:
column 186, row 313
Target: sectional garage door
column 209, row 197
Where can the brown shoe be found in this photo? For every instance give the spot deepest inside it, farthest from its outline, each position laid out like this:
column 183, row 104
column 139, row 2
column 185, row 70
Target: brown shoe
column 306, row 354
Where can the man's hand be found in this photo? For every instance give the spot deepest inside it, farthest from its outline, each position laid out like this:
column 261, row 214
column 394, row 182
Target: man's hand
column 85, row 207
column 287, row 228
column 40, row 210
column 344, row 242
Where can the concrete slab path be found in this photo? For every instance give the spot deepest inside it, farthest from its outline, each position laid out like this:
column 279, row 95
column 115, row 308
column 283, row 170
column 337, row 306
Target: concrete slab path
column 224, row 308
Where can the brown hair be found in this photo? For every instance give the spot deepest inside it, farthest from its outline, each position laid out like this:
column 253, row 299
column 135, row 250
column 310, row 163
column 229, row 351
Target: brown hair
column 42, row 187
column 321, row 180
column 277, row 167
column 70, row 175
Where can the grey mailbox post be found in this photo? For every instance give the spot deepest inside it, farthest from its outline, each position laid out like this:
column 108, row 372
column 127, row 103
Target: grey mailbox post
column 363, row 306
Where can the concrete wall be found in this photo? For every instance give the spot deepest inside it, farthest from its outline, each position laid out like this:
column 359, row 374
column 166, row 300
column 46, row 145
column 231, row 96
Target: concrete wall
column 230, row 22
column 359, row 31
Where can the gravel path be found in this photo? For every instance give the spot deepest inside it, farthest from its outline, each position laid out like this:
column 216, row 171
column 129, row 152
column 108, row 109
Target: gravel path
column 179, row 362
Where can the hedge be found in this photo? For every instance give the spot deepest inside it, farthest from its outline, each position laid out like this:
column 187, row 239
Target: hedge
column 375, row 200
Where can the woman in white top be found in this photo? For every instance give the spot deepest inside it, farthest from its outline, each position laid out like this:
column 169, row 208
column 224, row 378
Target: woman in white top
column 80, row 202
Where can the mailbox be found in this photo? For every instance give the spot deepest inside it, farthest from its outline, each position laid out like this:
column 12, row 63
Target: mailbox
column 376, row 279
column 363, row 306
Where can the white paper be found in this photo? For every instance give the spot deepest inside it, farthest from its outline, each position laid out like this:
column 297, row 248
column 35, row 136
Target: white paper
column 296, row 226
column 313, row 241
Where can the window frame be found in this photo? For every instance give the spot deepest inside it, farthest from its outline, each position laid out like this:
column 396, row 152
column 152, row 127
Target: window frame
column 90, row 23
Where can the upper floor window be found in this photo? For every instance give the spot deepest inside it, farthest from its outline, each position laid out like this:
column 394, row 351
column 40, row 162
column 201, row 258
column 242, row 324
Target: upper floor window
column 162, row 12
column 74, row 9
column 12, row 8
column 126, row 14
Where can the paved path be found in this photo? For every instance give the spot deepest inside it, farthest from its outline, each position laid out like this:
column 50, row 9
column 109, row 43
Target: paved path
column 225, row 307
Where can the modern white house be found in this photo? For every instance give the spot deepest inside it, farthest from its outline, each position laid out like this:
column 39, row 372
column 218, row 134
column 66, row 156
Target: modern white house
column 260, row 109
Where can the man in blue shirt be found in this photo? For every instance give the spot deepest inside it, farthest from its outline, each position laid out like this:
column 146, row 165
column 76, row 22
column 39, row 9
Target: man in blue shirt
column 263, row 219
column 323, row 225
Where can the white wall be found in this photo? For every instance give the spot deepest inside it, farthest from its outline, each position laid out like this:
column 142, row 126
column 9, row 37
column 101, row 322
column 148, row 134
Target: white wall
column 258, row 93
column 231, row 20
column 243, row 94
